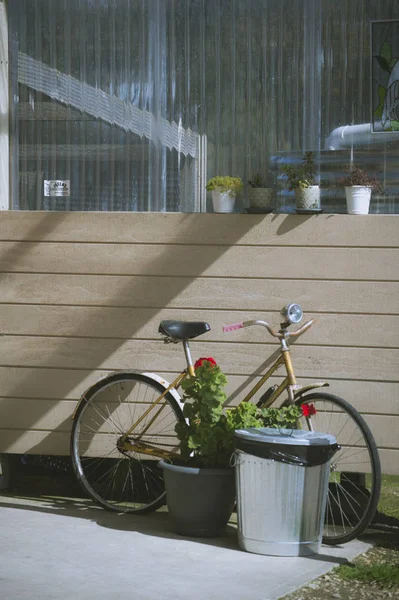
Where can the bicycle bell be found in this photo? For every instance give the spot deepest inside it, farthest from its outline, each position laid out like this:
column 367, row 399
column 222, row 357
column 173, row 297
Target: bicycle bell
column 293, row 313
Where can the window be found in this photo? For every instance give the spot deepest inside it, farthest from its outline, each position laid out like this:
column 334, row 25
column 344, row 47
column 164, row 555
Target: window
column 134, row 104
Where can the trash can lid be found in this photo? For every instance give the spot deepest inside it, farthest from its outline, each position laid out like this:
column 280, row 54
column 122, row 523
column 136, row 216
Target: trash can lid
column 287, row 437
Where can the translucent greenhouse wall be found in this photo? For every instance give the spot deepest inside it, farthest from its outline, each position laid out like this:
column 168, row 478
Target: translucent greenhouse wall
column 136, row 103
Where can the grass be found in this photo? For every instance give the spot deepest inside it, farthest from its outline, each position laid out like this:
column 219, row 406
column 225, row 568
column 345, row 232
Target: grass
column 386, row 575
column 389, row 499
column 379, row 566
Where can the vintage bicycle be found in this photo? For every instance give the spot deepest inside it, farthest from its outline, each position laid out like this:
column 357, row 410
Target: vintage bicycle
column 125, row 423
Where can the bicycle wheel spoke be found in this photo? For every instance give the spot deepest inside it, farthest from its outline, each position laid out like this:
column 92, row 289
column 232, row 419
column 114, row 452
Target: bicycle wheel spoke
column 121, row 479
column 352, row 497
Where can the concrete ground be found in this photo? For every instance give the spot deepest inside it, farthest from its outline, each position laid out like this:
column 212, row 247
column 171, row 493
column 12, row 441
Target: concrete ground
column 57, row 548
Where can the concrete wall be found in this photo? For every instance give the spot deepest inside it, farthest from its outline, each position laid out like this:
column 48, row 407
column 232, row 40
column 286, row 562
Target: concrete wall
column 83, row 293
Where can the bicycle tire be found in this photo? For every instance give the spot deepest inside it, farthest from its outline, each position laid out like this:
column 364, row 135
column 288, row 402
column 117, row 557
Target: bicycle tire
column 122, row 482
column 353, row 494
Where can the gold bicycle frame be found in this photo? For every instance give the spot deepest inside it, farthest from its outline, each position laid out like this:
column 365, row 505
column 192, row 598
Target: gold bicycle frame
column 289, row 383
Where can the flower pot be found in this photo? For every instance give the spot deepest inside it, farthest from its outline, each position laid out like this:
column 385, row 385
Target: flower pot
column 308, row 198
column 223, row 202
column 358, row 199
column 200, row 501
column 261, row 198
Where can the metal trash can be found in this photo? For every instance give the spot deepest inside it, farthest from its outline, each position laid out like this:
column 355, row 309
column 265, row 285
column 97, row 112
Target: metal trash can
column 281, row 483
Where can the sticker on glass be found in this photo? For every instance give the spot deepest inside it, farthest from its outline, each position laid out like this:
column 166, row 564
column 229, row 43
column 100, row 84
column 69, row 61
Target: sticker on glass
column 57, row 187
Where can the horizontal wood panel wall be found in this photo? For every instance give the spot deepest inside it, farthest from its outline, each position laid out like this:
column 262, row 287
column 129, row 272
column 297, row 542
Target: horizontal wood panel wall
column 83, row 294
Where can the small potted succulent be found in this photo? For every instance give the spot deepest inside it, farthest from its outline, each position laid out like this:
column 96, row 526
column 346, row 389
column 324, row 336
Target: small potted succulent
column 304, row 183
column 261, row 193
column 224, row 192
column 200, row 487
column 358, row 186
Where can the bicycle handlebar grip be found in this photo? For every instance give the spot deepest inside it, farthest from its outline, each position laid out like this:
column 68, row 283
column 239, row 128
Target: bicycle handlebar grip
column 232, row 327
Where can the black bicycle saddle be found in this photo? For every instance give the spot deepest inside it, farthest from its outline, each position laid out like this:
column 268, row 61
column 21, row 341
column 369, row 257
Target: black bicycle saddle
column 183, row 330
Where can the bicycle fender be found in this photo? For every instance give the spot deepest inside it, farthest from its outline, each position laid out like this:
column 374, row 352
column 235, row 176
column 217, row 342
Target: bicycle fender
column 165, row 384
column 154, row 376
column 306, row 388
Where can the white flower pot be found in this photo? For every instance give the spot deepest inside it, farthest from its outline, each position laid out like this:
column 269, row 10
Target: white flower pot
column 358, row 199
column 261, row 198
column 308, row 198
column 223, row 202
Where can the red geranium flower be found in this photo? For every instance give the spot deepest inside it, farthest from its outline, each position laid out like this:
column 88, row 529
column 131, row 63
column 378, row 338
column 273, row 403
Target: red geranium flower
column 201, row 360
column 308, row 410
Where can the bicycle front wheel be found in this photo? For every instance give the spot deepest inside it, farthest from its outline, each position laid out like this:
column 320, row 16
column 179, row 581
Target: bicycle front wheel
column 120, row 480
column 355, row 471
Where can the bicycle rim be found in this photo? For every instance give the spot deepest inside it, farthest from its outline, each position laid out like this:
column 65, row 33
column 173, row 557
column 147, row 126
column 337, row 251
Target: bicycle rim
column 129, row 481
column 355, row 472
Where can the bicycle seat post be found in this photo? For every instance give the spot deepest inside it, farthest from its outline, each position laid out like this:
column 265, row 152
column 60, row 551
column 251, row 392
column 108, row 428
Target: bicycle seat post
column 189, row 360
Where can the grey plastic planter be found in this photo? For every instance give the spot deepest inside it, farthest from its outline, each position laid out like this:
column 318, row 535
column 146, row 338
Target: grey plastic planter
column 200, row 501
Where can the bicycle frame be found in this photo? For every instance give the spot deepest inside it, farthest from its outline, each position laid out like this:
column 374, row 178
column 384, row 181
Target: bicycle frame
column 289, row 383
column 117, row 462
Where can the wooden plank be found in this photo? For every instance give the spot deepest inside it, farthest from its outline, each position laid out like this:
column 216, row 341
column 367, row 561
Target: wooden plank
column 178, row 228
column 385, row 430
column 38, row 414
column 56, row 416
column 366, row 396
column 329, row 329
column 49, row 416
column 200, row 293
column 55, row 384
column 19, row 441
column 32, row 384
column 199, row 266
column 244, row 359
column 194, row 260
column 44, row 442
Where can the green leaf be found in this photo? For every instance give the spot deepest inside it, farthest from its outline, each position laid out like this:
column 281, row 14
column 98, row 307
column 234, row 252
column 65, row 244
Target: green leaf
column 381, row 91
column 384, row 64
column 194, row 442
column 386, row 52
column 395, row 125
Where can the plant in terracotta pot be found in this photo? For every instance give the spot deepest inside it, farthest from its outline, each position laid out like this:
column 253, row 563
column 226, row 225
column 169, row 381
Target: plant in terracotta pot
column 261, row 193
column 224, row 192
column 358, row 186
column 304, row 183
column 200, row 487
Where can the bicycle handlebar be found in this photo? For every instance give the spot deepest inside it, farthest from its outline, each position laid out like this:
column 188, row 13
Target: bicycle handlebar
column 278, row 334
column 302, row 329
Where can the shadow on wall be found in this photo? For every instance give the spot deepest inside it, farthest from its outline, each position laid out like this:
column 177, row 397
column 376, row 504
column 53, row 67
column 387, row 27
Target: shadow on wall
column 145, row 291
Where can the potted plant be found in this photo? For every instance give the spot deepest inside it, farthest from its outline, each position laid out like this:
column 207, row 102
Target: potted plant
column 224, row 192
column 358, row 187
column 260, row 194
column 304, row 183
column 200, row 487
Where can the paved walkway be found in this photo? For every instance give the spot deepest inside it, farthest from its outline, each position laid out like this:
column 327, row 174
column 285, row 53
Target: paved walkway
column 58, row 548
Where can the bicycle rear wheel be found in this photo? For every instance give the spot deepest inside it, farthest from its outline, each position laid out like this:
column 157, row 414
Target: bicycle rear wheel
column 355, row 472
column 119, row 480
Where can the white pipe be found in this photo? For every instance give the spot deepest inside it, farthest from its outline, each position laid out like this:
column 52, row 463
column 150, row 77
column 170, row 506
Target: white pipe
column 348, row 135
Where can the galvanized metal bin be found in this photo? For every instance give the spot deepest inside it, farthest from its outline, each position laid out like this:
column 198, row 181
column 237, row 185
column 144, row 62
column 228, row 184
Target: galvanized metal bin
column 281, row 483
